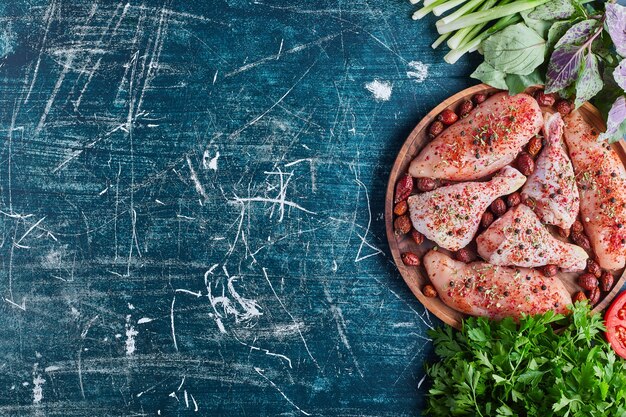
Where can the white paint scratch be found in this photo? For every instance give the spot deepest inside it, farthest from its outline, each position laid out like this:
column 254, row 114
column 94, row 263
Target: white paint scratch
column 306, row 346
column 260, row 372
column 418, row 71
column 341, row 328
column 286, row 52
column 38, row 382
column 172, row 327
column 381, row 90
column 208, row 162
column 194, row 177
column 144, row 320
column 363, row 238
column 130, row 337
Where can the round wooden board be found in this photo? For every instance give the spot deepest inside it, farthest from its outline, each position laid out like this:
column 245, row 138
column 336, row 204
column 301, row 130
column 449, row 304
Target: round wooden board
column 416, row 277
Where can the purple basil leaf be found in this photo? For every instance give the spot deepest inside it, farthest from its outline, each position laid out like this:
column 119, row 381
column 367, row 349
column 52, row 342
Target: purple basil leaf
column 616, row 26
column 579, row 33
column 568, row 54
column 563, row 67
column 616, row 117
column 590, row 82
column 553, row 10
column 619, row 75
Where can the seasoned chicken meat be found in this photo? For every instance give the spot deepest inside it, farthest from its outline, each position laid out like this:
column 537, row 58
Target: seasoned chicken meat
column 482, row 289
column 450, row 215
column 483, row 142
column 602, row 184
column 518, row 238
column 551, row 189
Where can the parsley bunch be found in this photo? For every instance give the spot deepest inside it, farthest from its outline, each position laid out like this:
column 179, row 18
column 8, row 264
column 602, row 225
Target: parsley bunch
column 527, row 369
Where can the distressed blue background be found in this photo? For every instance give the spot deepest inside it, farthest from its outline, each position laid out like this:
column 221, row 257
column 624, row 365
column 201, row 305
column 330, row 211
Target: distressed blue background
column 191, row 206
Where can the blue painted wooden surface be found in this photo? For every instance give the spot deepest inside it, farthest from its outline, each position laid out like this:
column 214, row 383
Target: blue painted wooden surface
column 191, row 206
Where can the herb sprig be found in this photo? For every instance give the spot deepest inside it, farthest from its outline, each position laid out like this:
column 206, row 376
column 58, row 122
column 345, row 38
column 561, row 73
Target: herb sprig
column 577, row 48
column 527, row 369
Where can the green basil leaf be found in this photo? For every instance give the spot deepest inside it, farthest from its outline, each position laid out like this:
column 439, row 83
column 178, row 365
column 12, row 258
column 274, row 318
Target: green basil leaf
column 516, row 49
column 518, row 83
column 489, row 75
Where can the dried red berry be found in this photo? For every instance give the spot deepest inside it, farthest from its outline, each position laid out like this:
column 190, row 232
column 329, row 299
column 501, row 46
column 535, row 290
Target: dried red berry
column 564, row 107
column 498, row 207
column 435, row 128
column 525, row 163
column 426, row 184
column 410, row 259
column 417, row 237
column 594, row 268
column 579, row 296
column 463, row 255
column 402, row 225
column 577, row 227
column 534, row 146
column 479, row 98
column 587, row 281
column 401, row 208
column 447, row 117
column 594, row 295
column 606, row 281
column 550, row 270
column 465, row 108
column 486, row 219
column 545, row 99
column 581, row 240
column 429, row 291
column 513, row 199
column 404, row 188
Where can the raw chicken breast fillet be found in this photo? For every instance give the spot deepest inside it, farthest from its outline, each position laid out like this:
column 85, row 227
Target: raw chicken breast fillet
column 518, row 238
column 450, row 215
column 551, row 189
column 482, row 289
column 602, row 185
column 489, row 138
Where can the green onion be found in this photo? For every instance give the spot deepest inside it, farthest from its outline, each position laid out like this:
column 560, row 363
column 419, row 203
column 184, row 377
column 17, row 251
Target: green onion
column 454, row 55
column 487, row 15
column 440, row 40
column 472, row 5
column 450, row 4
column 461, row 36
column 427, row 9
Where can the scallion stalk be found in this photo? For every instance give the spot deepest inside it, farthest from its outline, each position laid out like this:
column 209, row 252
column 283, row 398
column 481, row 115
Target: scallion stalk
column 467, row 8
column 427, row 9
column 488, row 15
column 450, row 4
column 454, row 55
column 465, row 35
column 440, row 40
column 462, row 34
